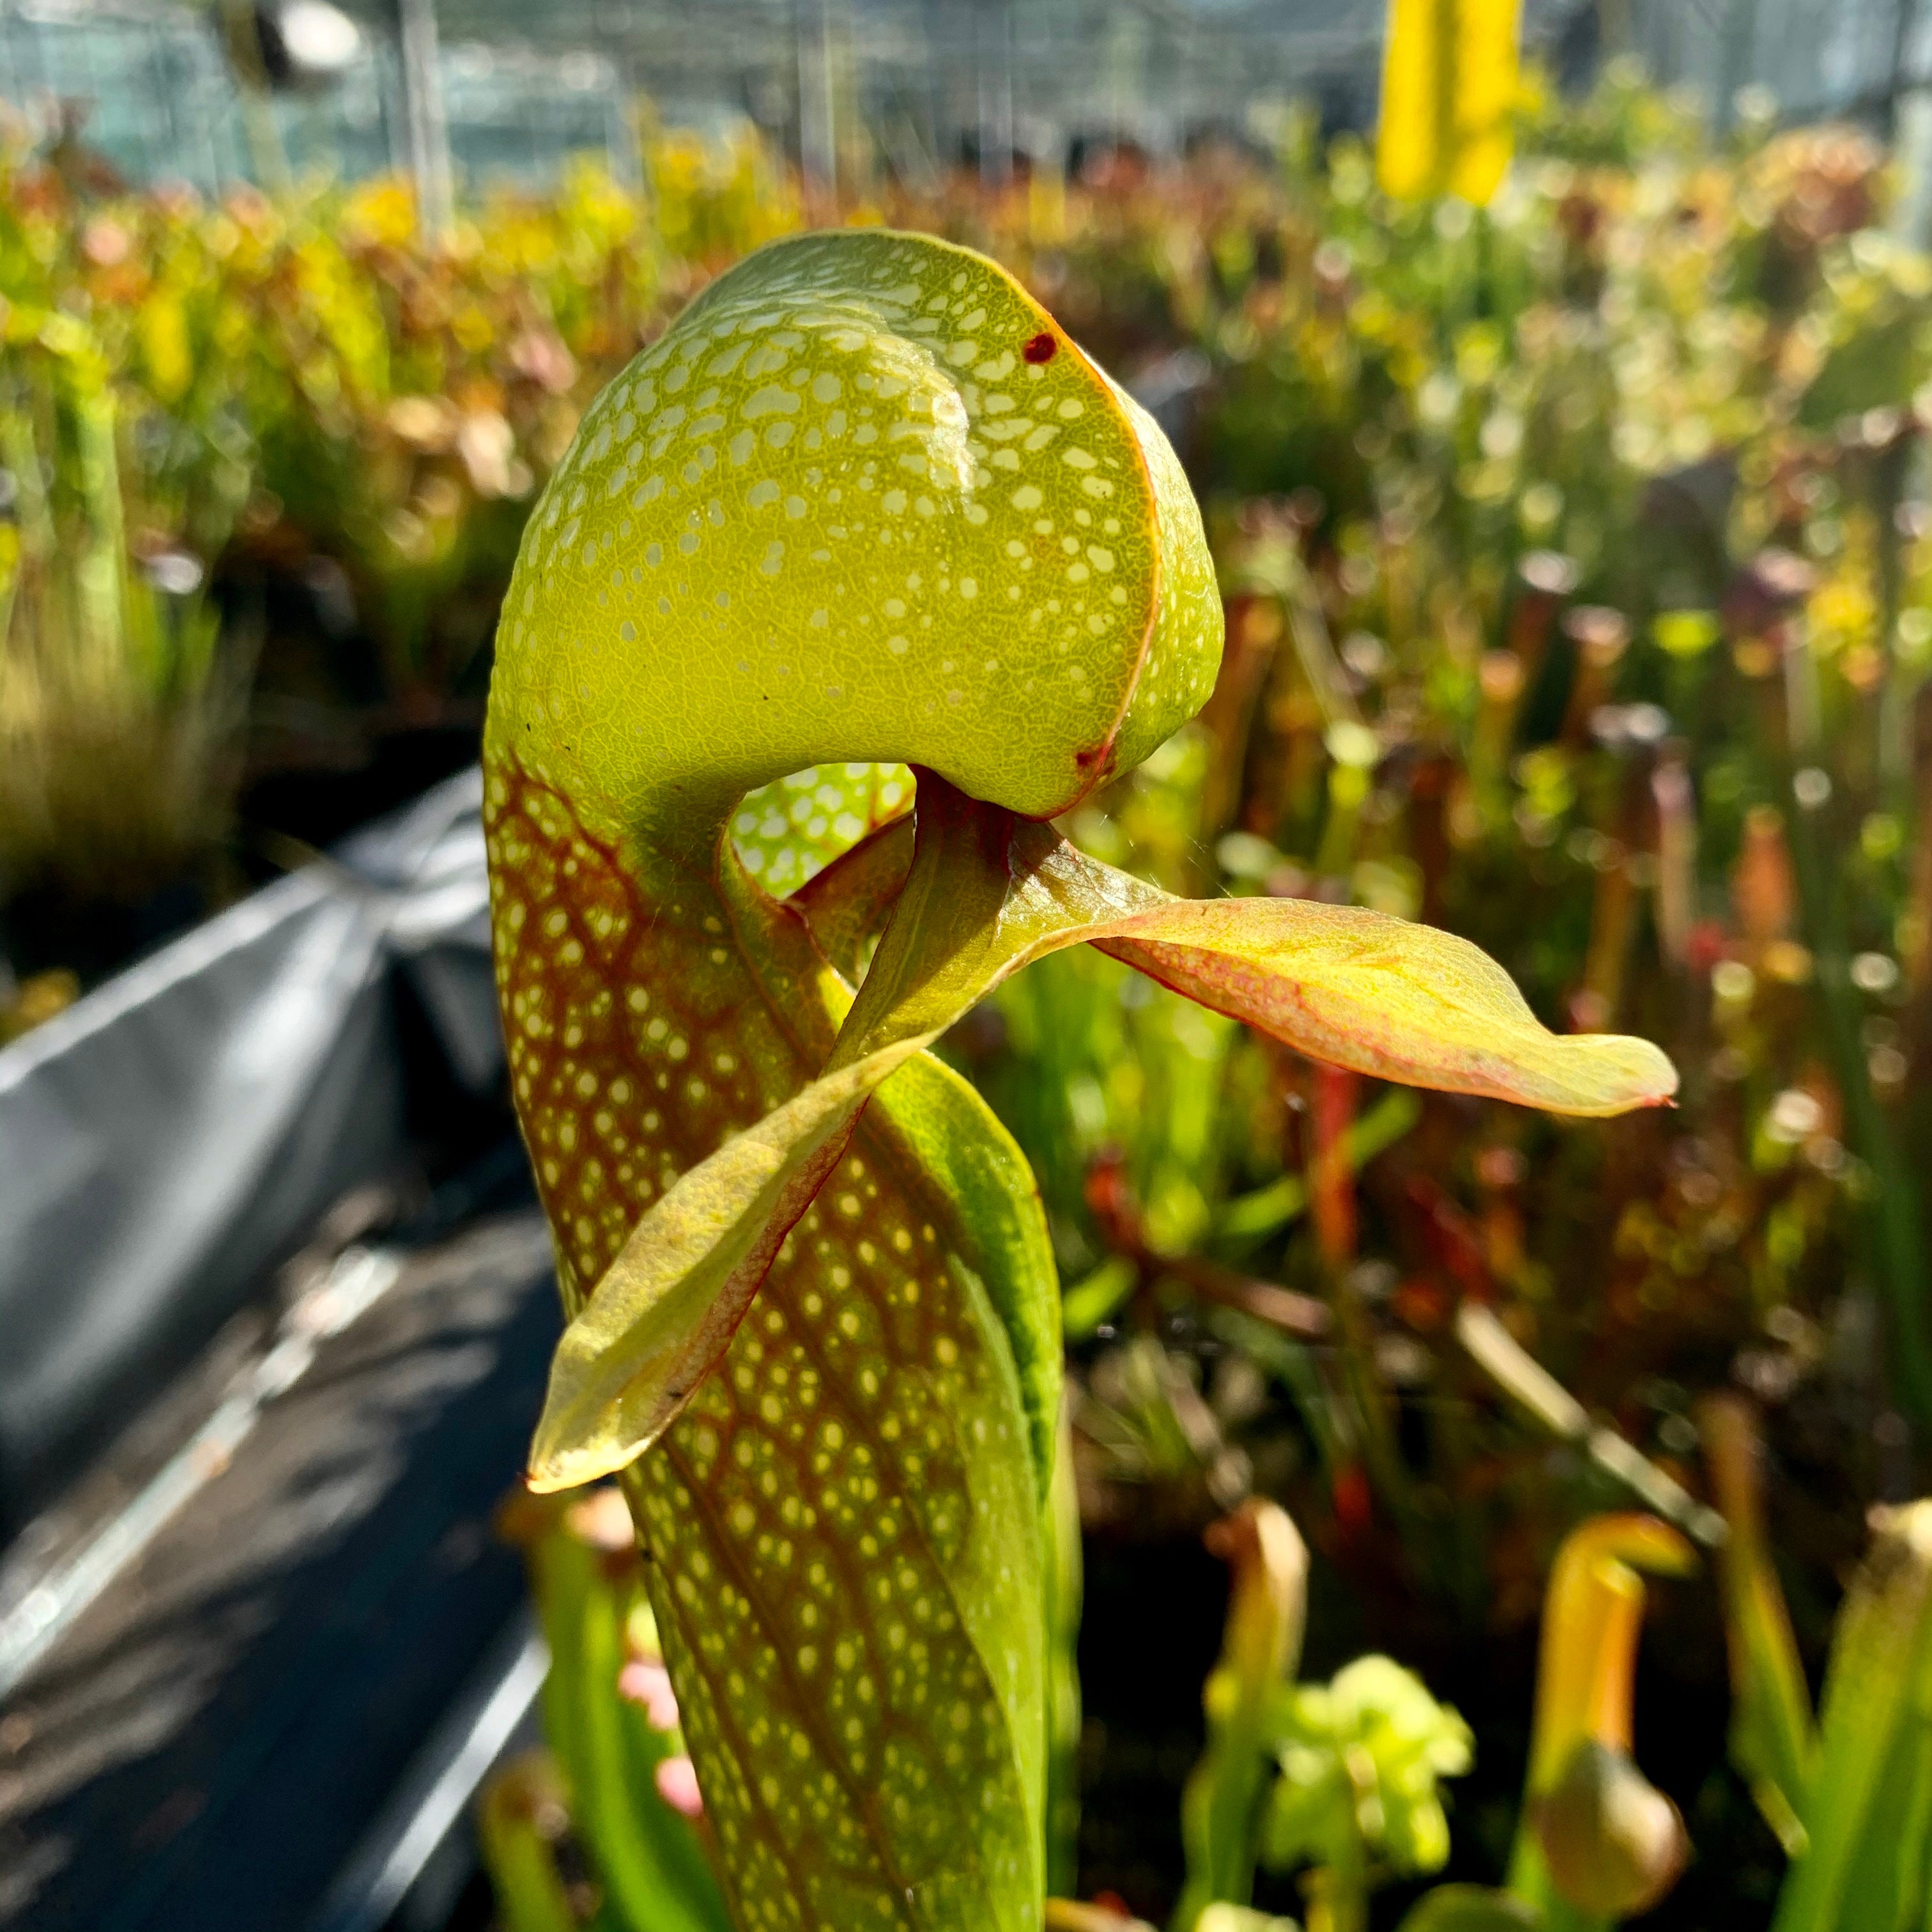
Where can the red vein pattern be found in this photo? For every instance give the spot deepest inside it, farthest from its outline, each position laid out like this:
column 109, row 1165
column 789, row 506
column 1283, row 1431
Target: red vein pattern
column 832, row 1522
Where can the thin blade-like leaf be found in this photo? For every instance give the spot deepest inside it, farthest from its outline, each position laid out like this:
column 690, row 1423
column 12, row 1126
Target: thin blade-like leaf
column 1221, row 1805
column 649, row 1860
column 1869, row 1815
column 988, row 893
column 1773, row 1741
column 530, row 1892
column 663, row 1312
column 1390, row 998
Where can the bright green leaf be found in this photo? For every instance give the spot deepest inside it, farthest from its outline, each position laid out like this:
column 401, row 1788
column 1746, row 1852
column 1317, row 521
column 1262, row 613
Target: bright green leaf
column 840, row 1335
column 1869, row 1865
column 987, row 894
column 1773, row 1741
column 1221, row 1807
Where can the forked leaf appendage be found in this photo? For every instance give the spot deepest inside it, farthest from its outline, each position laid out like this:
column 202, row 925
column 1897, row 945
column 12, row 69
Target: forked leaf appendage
column 987, row 894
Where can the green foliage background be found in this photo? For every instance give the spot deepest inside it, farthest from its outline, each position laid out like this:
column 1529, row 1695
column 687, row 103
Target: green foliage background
column 1578, row 571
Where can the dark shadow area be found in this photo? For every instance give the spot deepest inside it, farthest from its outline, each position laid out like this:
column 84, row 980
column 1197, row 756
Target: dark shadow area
column 208, row 1744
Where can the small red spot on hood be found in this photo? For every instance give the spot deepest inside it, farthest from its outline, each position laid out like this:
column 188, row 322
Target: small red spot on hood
column 1042, row 348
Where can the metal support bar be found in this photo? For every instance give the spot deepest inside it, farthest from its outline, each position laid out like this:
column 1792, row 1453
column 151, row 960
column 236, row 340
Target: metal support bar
column 817, row 95
column 425, row 119
column 993, row 66
column 360, row 1279
column 441, row 1785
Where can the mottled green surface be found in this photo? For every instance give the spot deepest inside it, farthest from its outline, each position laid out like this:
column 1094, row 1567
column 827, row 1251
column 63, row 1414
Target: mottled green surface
column 863, row 504
column 835, row 517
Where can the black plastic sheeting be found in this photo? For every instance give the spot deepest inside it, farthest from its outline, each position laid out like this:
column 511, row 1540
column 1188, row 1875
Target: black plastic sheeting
column 171, row 1137
column 206, row 1748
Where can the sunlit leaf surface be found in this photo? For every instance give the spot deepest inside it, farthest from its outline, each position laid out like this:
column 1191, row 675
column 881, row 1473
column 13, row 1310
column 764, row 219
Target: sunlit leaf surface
column 865, row 502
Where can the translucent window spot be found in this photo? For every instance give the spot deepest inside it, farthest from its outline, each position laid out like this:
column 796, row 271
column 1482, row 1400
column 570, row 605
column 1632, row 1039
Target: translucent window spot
column 762, row 493
column 772, row 400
